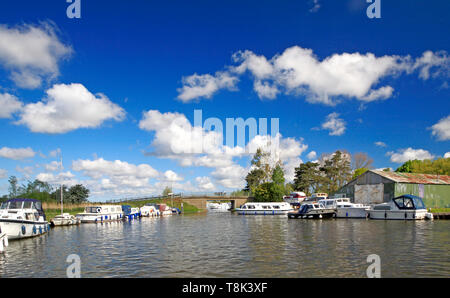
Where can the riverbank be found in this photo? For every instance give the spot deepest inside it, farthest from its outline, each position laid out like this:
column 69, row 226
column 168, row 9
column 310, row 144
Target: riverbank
column 53, row 209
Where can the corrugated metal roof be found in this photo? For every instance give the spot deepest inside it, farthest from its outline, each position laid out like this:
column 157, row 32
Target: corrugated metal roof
column 414, row 178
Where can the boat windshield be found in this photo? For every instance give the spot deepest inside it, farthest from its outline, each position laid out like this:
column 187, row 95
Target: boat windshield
column 418, row 203
column 27, row 205
column 4, row 205
column 15, row 205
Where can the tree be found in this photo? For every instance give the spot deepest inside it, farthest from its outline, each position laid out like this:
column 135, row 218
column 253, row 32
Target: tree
column 261, row 171
column 361, row 160
column 78, row 194
column 13, row 188
column 359, row 172
column 269, row 192
column 440, row 166
column 337, row 170
column 278, row 175
column 167, row 190
column 307, row 177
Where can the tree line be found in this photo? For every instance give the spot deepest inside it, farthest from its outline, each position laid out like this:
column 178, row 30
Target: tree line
column 44, row 192
column 266, row 182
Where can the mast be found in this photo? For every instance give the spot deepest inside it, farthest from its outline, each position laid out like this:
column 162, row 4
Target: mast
column 62, row 208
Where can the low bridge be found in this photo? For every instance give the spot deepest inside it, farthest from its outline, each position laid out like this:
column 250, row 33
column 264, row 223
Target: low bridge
column 200, row 202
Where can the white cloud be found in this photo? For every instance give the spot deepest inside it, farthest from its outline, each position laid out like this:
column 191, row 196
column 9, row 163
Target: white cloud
column 32, row 53
column 204, row 183
column 298, row 71
column 118, row 169
column 17, row 153
column 171, row 176
column 447, row 155
column 403, row 155
column 197, row 86
column 69, row 107
column 380, row 144
column 9, row 105
column 53, row 166
column 335, row 125
column 312, row 155
column 176, row 138
column 3, row 173
column 65, row 178
column 442, row 129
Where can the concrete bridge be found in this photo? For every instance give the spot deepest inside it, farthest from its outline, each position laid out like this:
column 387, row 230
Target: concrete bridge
column 200, row 202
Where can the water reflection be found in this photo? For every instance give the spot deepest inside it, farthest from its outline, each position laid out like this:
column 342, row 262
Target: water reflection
column 228, row 245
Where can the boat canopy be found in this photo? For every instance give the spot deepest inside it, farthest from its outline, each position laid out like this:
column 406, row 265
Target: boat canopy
column 405, row 202
column 21, row 203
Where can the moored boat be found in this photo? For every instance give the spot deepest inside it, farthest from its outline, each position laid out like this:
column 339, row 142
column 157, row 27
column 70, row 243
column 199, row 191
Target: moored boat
column 403, row 207
column 149, row 210
column 313, row 210
column 266, row 208
column 65, row 219
column 344, row 208
column 23, row 218
column 101, row 213
column 295, row 198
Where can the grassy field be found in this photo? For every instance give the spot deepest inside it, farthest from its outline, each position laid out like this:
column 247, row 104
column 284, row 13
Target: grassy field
column 439, row 210
column 53, row 209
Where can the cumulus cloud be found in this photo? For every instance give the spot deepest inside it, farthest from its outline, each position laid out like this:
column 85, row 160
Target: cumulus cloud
column 32, row 53
column 69, row 107
column 204, row 183
column 442, row 129
column 197, row 86
column 298, row 71
column 380, row 144
column 334, row 124
column 312, row 155
column 403, row 155
column 447, row 155
column 176, row 138
column 53, row 166
column 9, row 105
column 65, row 178
column 17, row 153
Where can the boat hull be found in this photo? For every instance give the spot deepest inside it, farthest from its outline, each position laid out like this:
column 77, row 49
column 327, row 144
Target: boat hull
column 262, row 212
column 398, row 214
column 351, row 212
column 99, row 218
column 315, row 214
column 18, row 229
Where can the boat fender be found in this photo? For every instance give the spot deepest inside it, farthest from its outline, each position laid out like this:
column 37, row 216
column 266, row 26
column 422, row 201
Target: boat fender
column 385, row 214
column 414, row 216
column 346, row 214
column 24, row 230
column 34, row 229
column 406, row 215
column 98, row 210
column 5, row 240
column 40, row 229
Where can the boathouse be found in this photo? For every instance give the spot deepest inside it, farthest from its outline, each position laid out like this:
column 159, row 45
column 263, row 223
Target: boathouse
column 374, row 187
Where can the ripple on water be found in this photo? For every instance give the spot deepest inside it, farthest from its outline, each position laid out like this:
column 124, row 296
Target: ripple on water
column 228, row 245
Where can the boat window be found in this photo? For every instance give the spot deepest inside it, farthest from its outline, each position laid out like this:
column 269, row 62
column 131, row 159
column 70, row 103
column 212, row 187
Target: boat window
column 15, row 205
column 404, row 203
column 244, row 207
column 27, row 205
column 276, row 207
column 38, row 205
column 251, row 207
column 4, row 205
column 418, row 203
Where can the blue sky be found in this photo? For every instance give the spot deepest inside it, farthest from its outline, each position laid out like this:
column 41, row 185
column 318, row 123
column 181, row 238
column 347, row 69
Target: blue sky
column 141, row 54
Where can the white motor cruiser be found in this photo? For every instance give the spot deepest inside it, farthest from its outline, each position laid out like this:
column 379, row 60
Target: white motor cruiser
column 65, row 219
column 149, row 210
column 274, row 208
column 345, row 209
column 313, row 210
column 23, row 218
column 101, row 213
column 402, row 207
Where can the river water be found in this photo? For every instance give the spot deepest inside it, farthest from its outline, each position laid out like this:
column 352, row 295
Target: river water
column 230, row 245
